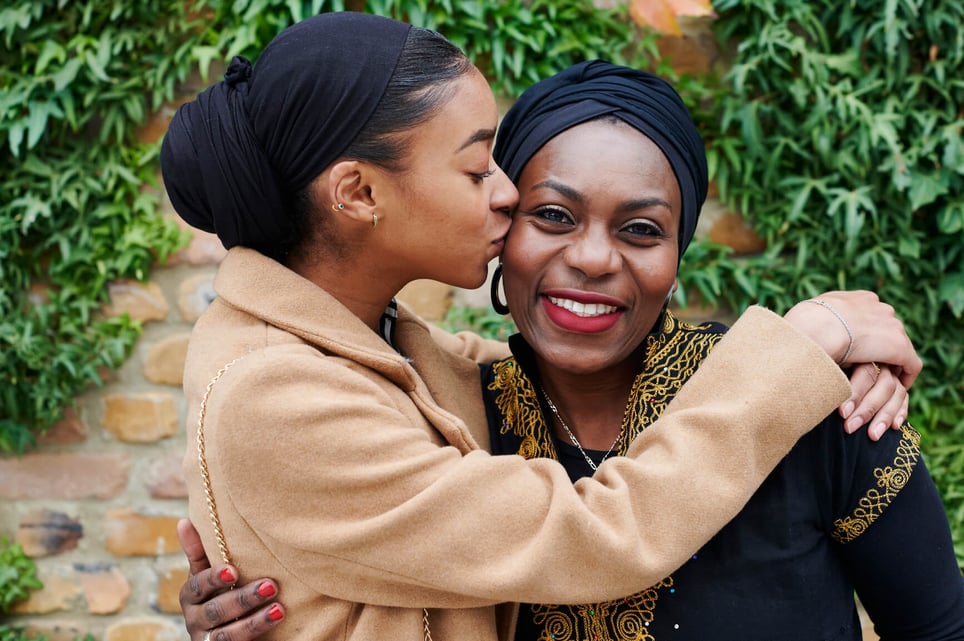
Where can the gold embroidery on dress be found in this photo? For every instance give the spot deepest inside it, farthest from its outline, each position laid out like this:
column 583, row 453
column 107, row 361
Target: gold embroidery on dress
column 890, row 480
column 672, row 356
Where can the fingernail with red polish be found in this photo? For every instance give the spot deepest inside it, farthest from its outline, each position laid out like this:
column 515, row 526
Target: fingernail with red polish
column 266, row 589
column 227, row 575
column 275, row 613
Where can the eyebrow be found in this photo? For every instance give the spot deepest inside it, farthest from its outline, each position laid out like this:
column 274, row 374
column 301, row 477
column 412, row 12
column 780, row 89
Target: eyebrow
column 479, row 136
column 576, row 196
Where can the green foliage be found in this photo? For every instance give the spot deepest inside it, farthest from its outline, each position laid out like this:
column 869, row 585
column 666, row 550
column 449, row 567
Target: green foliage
column 77, row 79
column 482, row 321
column 514, row 42
column 838, row 132
column 18, row 574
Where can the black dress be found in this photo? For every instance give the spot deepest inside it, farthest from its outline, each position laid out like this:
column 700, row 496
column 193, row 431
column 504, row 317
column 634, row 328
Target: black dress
column 840, row 514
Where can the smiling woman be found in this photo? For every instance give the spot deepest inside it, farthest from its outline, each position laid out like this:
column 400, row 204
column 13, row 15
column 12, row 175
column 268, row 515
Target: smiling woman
column 588, row 269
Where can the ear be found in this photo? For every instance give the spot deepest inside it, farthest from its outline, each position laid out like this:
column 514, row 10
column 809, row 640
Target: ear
column 350, row 183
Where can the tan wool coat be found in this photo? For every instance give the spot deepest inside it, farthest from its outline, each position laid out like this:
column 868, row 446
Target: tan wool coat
column 356, row 476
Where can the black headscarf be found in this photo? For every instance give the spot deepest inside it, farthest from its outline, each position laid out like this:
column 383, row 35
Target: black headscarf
column 596, row 88
column 231, row 156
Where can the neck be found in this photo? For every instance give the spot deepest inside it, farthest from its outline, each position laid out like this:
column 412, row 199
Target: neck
column 361, row 287
column 592, row 405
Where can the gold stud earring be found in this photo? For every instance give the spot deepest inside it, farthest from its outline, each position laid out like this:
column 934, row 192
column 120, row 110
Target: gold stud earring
column 337, row 206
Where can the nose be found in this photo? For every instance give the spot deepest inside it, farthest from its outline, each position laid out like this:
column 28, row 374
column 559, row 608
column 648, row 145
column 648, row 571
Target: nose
column 592, row 252
column 504, row 194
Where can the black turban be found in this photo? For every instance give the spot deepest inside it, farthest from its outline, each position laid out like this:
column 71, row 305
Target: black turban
column 232, row 156
column 596, row 88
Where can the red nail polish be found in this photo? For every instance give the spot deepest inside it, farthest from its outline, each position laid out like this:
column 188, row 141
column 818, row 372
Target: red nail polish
column 275, row 613
column 227, row 575
column 266, row 590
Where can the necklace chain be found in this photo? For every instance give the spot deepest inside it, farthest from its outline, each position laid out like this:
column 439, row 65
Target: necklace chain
column 575, row 441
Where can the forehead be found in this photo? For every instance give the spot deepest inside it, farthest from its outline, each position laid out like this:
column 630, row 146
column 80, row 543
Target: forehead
column 601, row 155
column 469, row 106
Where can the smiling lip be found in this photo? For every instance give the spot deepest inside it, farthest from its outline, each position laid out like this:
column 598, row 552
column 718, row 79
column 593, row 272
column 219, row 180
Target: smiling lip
column 582, row 312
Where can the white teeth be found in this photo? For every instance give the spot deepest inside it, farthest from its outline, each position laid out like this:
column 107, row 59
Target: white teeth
column 580, row 309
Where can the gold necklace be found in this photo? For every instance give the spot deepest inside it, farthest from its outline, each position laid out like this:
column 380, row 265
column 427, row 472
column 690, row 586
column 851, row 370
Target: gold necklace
column 575, row 441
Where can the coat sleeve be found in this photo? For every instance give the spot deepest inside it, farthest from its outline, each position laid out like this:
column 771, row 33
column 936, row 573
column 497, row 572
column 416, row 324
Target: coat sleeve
column 360, row 503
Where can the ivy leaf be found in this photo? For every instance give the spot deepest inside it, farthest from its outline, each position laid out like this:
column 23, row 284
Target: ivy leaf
column 951, row 291
column 661, row 15
column 66, row 74
column 926, row 188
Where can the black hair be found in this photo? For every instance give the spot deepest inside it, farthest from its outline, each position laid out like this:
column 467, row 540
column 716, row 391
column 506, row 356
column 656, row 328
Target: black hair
column 420, row 85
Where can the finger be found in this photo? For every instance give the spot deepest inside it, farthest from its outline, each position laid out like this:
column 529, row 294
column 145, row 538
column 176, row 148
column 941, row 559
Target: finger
column 875, row 400
column 885, row 417
column 901, row 416
column 250, row 627
column 240, row 602
column 862, row 380
column 190, row 540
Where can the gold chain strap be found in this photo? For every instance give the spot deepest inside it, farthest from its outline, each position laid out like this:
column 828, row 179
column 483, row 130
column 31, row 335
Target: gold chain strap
column 209, row 494
column 205, row 474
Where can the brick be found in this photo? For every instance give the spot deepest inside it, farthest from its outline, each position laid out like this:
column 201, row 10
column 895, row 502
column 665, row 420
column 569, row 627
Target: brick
column 141, row 301
column 69, row 429
column 61, row 592
column 45, row 533
column 166, row 478
column 169, row 589
column 69, row 475
column 143, row 629
column 203, row 249
column 194, row 295
column 693, row 52
column 140, row 418
column 165, row 360
column 55, row 629
column 106, row 589
column 428, row 298
column 129, row 533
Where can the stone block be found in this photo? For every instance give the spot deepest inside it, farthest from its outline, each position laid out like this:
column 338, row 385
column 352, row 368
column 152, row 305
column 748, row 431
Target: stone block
column 166, row 478
column 428, row 298
column 60, row 593
column 69, row 429
column 129, row 533
column 141, row 301
column 140, row 418
column 720, row 225
column 143, row 629
column 69, row 475
column 45, row 533
column 106, row 589
column 194, row 295
column 169, row 589
column 55, row 629
column 165, row 360
column 203, row 249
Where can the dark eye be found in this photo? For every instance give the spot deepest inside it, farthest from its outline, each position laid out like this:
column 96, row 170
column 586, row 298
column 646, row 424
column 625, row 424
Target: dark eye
column 644, row 228
column 480, row 177
column 553, row 215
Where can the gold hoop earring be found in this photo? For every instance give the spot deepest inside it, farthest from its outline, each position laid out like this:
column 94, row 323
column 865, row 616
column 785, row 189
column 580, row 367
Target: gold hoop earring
column 374, row 220
column 499, row 307
column 337, row 206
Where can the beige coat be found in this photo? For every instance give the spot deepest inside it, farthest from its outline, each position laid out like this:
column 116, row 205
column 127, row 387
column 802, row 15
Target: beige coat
column 355, row 476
